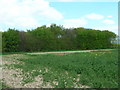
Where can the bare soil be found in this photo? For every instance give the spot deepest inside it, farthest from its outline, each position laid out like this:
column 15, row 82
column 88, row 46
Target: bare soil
column 63, row 52
column 13, row 77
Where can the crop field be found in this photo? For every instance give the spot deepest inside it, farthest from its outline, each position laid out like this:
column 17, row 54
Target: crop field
column 95, row 69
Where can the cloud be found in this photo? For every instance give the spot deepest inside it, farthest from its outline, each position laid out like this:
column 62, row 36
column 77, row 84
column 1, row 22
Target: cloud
column 94, row 16
column 109, row 16
column 26, row 13
column 69, row 23
column 107, row 21
column 83, row 0
column 113, row 28
column 66, row 0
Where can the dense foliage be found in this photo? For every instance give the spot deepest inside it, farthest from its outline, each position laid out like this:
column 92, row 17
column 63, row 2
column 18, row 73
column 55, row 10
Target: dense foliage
column 55, row 38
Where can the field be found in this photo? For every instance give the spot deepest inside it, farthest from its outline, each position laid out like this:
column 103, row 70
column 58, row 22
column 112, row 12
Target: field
column 95, row 69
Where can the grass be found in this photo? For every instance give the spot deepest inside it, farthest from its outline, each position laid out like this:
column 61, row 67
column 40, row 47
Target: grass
column 96, row 69
column 8, row 53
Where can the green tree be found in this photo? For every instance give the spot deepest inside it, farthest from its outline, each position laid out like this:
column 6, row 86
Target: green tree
column 10, row 40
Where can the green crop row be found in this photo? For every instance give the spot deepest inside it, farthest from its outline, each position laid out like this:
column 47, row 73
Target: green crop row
column 93, row 69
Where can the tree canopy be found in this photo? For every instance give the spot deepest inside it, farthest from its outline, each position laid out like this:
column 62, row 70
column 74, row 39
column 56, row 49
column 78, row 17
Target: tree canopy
column 55, row 38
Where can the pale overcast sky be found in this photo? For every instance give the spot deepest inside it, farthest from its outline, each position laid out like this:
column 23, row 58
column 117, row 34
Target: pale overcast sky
column 29, row 14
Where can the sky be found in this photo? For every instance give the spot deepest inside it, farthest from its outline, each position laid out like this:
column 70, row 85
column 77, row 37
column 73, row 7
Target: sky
column 29, row 14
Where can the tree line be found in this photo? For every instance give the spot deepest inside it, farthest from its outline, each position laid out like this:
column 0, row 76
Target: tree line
column 54, row 38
